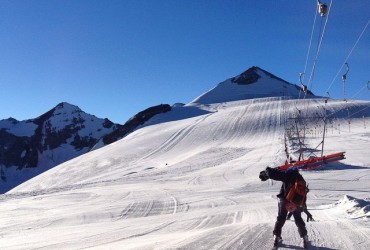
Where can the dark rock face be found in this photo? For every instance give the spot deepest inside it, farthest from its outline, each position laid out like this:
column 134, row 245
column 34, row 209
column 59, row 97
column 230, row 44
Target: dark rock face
column 251, row 76
column 17, row 151
column 137, row 120
column 271, row 75
column 247, row 77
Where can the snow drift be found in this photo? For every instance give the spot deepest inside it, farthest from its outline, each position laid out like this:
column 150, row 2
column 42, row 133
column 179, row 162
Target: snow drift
column 356, row 208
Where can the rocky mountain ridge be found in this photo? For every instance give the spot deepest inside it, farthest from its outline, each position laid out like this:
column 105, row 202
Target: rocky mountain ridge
column 62, row 133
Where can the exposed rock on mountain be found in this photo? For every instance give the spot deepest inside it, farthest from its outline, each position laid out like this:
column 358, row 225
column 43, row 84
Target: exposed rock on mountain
column 134, row 122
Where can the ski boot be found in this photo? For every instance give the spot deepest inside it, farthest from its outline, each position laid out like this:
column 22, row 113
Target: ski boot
column 305, row 242
column 277, row 242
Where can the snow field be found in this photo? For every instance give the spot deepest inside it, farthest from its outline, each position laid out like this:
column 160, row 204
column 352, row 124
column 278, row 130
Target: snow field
column 193, row 184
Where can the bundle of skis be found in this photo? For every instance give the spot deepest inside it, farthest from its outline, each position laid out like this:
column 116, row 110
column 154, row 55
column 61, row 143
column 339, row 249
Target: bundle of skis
column 312, row 162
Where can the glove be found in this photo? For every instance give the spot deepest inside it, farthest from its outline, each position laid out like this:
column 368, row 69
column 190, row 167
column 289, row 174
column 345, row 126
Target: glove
column 263, row 176
column 310, row 218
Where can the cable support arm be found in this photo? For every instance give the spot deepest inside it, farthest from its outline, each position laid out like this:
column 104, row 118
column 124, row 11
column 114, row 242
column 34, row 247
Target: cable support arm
column 344, row 77
column 304, row 87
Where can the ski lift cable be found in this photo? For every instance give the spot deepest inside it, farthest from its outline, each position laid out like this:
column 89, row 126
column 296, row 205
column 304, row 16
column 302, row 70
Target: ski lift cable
column 309, row 46
column 355, row 95
column 348, row 103
column 309, row 84
column 319, row 46
column 349, row 55
column 358, row 112
column 301, row 76
column 316, row 55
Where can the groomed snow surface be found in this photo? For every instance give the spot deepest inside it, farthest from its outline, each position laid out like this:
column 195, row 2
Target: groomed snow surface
column 193, row 184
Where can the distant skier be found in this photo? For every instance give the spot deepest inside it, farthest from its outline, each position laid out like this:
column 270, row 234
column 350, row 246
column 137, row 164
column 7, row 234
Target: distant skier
column 288, row 178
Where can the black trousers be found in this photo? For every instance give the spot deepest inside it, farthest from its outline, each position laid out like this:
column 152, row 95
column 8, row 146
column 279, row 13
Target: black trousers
column 281, row 218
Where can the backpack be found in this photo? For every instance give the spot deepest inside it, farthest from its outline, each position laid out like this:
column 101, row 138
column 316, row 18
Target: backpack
column 298, row 192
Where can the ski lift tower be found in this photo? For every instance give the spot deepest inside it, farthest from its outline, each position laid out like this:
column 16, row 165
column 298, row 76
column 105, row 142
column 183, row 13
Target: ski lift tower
column 296, row 131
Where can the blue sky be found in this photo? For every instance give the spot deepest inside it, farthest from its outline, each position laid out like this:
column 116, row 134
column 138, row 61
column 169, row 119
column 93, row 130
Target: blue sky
column 116, row 58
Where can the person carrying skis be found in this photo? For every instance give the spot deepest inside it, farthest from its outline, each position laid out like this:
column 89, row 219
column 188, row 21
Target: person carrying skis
column 288, row 178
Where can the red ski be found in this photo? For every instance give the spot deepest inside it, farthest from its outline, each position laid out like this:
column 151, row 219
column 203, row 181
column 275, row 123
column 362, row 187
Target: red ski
column 313, row 162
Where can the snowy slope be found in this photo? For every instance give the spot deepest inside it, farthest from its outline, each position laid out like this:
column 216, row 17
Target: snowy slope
column 193, row 184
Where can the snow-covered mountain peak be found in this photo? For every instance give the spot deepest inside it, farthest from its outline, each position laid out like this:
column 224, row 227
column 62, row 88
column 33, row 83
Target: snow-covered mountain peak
column 252, row 83
column 65, row 114
column 67, row 108
column 56, row 136
column 12, row 120
column 62, row 114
